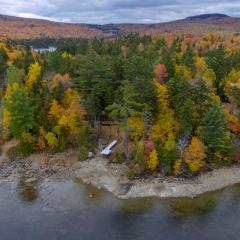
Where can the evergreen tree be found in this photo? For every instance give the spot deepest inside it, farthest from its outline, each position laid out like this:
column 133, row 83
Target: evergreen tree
column 14, row 74
column 24, row 61
column 22, row 113
column 3, row 61
column 189, row 59
column 95, row 83
column 201, row 98
column 139, row 70
column 180, row 98
column 167, row 155
column 168, row 60
column 218, row 61
column 124, row 109
column 214, row 131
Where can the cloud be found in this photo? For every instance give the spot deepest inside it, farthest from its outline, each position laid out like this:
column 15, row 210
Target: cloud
column 116, row 11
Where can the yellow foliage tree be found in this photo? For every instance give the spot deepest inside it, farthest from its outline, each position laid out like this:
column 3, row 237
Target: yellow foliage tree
column 195, row 154
column 204, row 73
column 166, row 123
column 232, row 86
column 27, row 137
column 153, row 160
column 177, row 167
column 33, row 75
column 6, row 118
column 233, row 122
column 70, row 95
column 164, row 126
column 72, row 117
column 136, row 126
column 56, row 111
column 183, row 71
column 51, row 140
column 162, row 97
column 75, row 117
column 10, row 89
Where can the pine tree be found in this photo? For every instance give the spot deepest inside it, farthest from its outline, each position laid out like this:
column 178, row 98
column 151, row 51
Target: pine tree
column 21, row 111
column 189, row 59
column 124, row 109
column 95, row 84
column 180, row 97
column 139, row 70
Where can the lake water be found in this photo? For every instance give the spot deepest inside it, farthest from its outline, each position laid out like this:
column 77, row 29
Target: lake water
column 65, row 210
column 44, row 50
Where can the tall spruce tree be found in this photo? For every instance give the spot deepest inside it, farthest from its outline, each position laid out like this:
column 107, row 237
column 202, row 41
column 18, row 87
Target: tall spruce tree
column 189, row 59
column 218, row 61
column 214, row 131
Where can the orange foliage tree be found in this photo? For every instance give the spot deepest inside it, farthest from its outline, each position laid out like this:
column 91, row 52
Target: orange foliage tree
column 160, row 73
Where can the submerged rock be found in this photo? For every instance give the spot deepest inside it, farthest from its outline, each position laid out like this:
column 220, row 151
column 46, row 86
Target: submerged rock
column 30, row 180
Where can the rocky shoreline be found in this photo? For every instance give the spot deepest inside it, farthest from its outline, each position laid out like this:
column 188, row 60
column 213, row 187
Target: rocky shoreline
column 12, row 171
column 102, row 174
column 39, row 166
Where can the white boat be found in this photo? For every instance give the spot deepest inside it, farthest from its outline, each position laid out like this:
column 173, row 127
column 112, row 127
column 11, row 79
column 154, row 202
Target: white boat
column 107, row 151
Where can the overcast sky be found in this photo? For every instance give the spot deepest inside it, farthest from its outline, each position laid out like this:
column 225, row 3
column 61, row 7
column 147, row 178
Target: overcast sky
column 116, row 11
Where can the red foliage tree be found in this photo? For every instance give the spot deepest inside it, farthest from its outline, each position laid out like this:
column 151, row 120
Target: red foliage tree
column 148, row 147
column 160, row 73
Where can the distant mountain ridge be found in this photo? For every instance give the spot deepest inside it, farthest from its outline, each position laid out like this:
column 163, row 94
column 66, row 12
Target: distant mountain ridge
column 26, row 28
column 208, row 16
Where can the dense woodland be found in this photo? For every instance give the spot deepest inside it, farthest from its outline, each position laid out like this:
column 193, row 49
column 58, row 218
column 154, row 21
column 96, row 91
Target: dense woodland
column 175, row 99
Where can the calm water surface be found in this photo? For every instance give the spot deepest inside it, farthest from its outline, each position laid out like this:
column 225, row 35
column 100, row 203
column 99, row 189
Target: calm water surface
column 64, row 210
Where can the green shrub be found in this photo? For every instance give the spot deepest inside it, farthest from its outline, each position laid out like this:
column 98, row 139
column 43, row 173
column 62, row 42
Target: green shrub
column 82, row 153
column 85, row 138
column 63, row 138
column 12, row 153
column 119, row 157
column 25, row 149
column 137, row 155
column 131, row 174
column 22, row 150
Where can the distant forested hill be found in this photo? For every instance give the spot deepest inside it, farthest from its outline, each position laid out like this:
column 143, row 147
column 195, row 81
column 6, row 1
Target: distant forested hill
column 23, row 28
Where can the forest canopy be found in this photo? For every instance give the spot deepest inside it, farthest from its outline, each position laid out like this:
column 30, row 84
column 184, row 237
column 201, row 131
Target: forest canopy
column 175, row 99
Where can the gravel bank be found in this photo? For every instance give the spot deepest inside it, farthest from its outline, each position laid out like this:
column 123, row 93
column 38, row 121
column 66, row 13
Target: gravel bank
column 38, row 166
